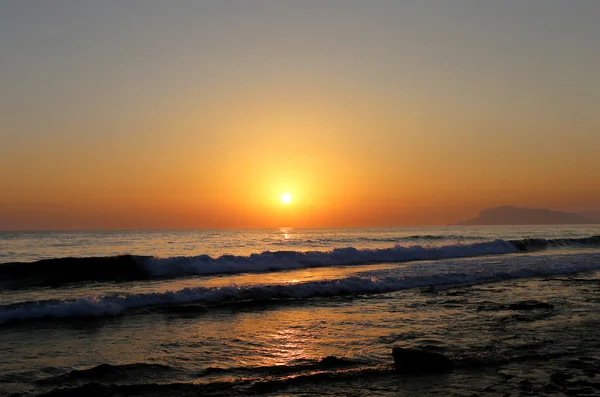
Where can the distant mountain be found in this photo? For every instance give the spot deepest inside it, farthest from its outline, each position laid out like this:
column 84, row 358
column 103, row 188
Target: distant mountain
column 509, row 215
column 595, row 215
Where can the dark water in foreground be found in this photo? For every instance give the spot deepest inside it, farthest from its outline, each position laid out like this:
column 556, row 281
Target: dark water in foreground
column 310, row 321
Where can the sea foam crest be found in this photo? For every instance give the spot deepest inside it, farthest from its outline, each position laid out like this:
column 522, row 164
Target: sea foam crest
column 287, row 260
column 448, row 273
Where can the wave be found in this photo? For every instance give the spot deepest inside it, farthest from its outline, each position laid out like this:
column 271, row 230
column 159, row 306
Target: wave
column 289, row 260
column 137, row 373
column 109, row 372
column 67, row 270
column 312, row 379
column 241, row 386
column 532, row 244
column 203, row 298
column 130, row 267
column 262, row 380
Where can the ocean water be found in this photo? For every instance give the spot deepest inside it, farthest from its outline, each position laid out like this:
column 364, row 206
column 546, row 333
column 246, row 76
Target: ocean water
column 299, row 311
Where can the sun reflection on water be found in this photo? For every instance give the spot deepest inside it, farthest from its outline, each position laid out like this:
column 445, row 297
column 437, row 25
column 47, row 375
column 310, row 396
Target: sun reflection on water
column 288, row 345
column 286, row 232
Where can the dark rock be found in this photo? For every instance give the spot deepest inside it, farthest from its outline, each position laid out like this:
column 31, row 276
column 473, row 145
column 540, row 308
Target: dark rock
column 407, row 360
column 530, row 305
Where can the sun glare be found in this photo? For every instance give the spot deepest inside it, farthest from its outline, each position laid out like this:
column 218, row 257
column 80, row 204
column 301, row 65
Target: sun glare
column 286, row 198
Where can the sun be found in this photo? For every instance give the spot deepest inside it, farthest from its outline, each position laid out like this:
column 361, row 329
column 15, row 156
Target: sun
column 286, row 198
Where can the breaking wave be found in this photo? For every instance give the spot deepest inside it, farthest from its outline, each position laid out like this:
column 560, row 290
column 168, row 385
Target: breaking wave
column 288, row 260
column 129, row 267
column 202, row 298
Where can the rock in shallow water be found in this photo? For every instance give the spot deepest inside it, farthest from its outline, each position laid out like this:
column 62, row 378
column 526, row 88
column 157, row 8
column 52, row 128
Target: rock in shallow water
column 408, row 360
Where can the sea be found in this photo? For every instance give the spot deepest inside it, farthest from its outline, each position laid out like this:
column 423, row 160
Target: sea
column 300, row 312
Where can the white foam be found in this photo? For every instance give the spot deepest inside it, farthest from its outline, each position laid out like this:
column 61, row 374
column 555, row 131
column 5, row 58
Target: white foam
column 287, row 260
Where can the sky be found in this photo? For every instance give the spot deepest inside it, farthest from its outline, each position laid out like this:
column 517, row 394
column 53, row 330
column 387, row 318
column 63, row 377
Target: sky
column 150, row 114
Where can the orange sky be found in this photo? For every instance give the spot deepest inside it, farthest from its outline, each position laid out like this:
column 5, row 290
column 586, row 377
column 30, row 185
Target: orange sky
column 114, row 116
